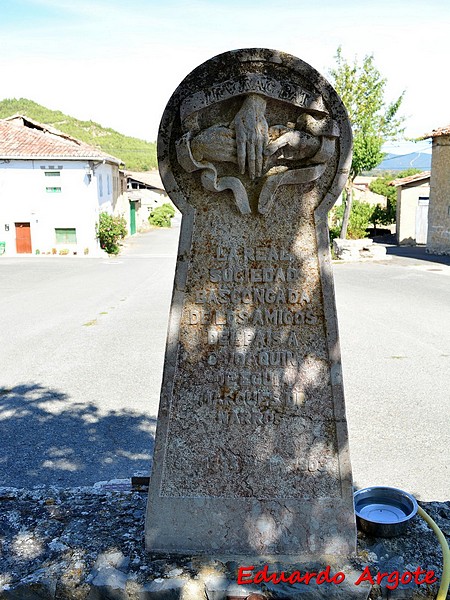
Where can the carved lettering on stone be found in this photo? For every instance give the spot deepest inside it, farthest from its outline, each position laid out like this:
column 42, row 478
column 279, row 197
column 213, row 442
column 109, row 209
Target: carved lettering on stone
column 251, row 448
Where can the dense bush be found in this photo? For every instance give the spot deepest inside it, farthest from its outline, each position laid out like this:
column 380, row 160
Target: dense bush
column 110, row 230
column 360, row 218
column 382, row 216
column 162, row 215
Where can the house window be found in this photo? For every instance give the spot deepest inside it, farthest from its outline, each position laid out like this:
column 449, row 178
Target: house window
column 52, row 173
column 66, row 236
column 53, row 190
column 100, row 185
column 108, row 184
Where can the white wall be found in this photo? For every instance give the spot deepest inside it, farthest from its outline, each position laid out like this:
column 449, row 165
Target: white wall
column 146, row 200
column 407, row 206
column 24, row 198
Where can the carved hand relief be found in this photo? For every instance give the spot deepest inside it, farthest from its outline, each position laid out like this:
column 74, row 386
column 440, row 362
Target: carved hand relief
column 253, row 152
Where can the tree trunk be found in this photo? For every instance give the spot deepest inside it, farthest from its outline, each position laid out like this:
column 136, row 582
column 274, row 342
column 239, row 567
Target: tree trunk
column 348, row 208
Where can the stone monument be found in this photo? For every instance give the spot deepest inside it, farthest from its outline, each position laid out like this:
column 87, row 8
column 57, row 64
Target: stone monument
column 251, row 453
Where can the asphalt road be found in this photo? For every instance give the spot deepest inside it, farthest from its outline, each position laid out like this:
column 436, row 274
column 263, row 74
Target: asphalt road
column 82, row 348
column 394, row 321
column 81, row 353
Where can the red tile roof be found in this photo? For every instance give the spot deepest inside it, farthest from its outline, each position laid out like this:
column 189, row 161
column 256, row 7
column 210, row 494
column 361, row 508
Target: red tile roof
column 438, row 132
column 410, row 179
column 22, row 138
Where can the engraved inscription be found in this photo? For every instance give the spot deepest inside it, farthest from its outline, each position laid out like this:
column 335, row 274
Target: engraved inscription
column 254, row 316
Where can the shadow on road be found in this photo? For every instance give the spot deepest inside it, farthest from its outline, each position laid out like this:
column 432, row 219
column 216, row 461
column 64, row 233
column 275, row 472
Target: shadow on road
column 56, row 442
column 417, row 253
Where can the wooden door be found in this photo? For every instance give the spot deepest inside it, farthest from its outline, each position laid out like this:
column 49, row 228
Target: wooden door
column 23, row 238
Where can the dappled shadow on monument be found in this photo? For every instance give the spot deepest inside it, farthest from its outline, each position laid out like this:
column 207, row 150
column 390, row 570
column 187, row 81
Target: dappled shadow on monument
column 49, row 440
column 273, row 420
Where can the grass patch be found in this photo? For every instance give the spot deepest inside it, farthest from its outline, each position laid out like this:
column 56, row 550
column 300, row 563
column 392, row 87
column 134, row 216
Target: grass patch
column 90, row 323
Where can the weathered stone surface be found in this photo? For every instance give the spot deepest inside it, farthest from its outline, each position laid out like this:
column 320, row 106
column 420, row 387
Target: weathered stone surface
column 163, row 589
column 353, row 250
column 114, row 559
column 221, row 588
column 251, row 451
column 109, row 577
column 108, row 582
column 377, row 252
column 438, row 238
column 37, row 586
column 349, row 249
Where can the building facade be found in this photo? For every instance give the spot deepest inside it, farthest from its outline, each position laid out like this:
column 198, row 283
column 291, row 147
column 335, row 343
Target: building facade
column 413, row 194
column 144, row 192
column 52, row 189
column 438, row 240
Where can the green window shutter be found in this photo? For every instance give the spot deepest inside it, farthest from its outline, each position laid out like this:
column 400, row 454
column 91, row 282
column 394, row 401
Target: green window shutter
column 66, row 236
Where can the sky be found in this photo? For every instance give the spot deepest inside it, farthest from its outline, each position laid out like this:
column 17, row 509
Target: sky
column 118, row 62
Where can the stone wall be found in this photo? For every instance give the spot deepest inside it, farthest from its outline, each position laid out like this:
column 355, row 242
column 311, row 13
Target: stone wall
column 438, row 241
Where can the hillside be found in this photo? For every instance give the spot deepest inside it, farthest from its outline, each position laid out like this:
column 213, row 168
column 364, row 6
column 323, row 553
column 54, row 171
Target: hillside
column 138, row 155
column 417, row 160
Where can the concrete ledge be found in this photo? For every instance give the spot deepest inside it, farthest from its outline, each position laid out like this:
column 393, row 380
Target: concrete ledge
column 87, row 544
column 356, row 250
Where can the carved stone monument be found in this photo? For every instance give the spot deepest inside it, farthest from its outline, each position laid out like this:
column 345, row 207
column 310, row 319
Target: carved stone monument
column 251, row 453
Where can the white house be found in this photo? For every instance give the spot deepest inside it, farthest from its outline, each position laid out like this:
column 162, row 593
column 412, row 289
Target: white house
column 144, row 192
column 52, row 189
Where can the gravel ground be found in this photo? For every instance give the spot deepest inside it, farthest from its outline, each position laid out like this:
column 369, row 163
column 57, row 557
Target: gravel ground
column 84, row 543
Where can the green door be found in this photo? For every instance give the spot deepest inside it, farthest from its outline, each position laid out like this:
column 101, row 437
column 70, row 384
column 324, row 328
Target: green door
column 132, row 217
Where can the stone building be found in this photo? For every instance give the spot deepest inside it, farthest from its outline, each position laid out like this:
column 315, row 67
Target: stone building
column 438, row 240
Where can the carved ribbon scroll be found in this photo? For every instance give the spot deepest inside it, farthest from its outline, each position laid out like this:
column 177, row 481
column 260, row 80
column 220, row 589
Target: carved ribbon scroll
column 257, row 149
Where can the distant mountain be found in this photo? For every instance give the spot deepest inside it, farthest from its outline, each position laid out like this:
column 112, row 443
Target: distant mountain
column 138, row 155
column 416, row 160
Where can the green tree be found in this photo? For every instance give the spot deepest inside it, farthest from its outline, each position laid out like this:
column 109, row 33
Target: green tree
column 373, row 120
column 359, row 220
column 381, row 186
column 110, row 230
column 161, row 215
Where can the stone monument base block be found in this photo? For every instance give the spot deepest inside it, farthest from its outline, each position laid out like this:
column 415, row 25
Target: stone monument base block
column 258, row 528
